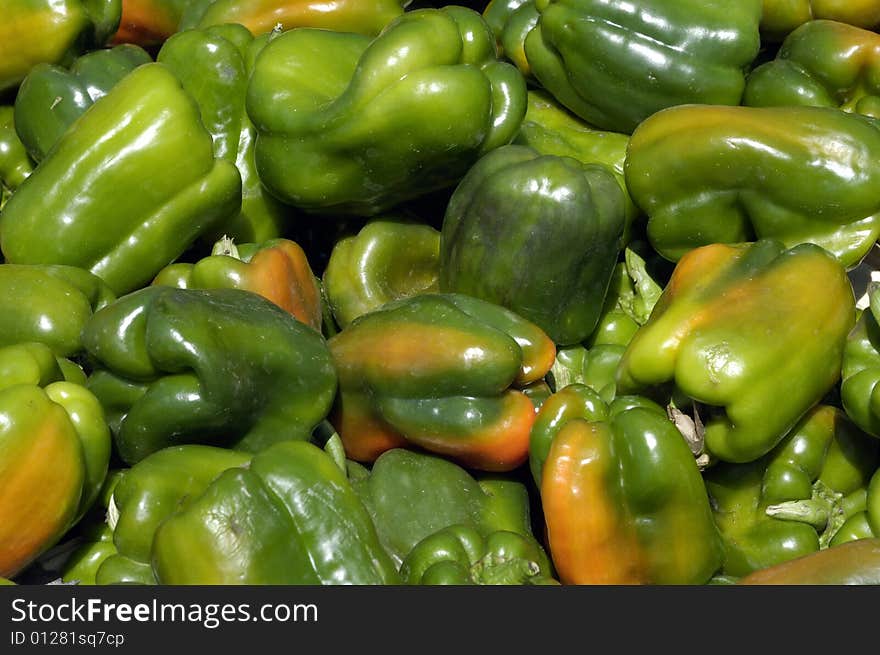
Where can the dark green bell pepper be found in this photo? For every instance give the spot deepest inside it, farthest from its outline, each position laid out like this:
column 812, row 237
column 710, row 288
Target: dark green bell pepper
column 564, row 217
column 738, row 325
column 50, row 31
column 49, row 304
column 354, row 125
column 412, row 495
column 439, row 371
column 622, row 497
column 710, row 174
column 511, row 21
column 388, row 259
column 616, row 62
column 794, row 500
column 15, row 164
column 290, row 517
column 460, row 555
column 51, row 97
column 860, row 371
column 88, row 203
column 182, row 366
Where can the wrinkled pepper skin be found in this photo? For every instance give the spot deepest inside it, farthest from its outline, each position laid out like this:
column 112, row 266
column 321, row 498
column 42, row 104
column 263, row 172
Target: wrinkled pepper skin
column 290, row 517
column 411, row 495
column 616, row 62
column 570, row 232
column 149, row 22
column 822, row 63
column 388, row 259
column 151, row 491
column 860, row 371
column 624, row 502
column 127, row 189
column 214, row 65
column 366, row 17
column 277, row 269
column 780, row 17
column 736, row 325
column 855, row 563
column 792, row 501
column 49, row 304
column 181, row 366
column 796, row 174
column 51, row 97
column 65, row 27
column 15, row 164
column 551, row 130
column 54, row 453
column 352, row 125
column 437, row 371
column 460, row 555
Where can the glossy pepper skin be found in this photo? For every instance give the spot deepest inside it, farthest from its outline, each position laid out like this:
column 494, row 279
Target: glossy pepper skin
column 388, row 259
column 151, row 491
column 623, row 499
column 614, row 63
column 780, row 17
column 794, row 500
column 735, row 325
column 366, row 17
column 290, row 517
column 182, row 366
column 860, row 371
column 214, row 65
column 460, row 555
column 51, row 97
column 571, row 231
column 552, row 130
column 54, row 453
column 438, row 371
column 822, row 63
column 277, row 269
column 855, row 563
column 65, row 27
column 511, row 21
column 796, row 174
column 15, row 164
column 352, row 125
column 90, row 193
column 49, row 304
column 149, row 22
column 412, row 494
column 864, row 524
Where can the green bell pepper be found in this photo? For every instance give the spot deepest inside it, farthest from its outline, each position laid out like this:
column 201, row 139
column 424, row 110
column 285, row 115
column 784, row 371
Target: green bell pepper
column 794, row 500
column 182, row 365
column 437, row 371
column 460, row 555
column 733, row 174
column 277, row 269
column 623, row 499
column 214, row 65
column 352, row 125
column 366, row 17
column 551, row 130
column 864, row 524
column 616, row 62
column 781, row 17
column 54, row 453
column 860, row 371
column 511, row 21
column 290, row 517
column 740, row 324
column 15, row 164
column 411, row 495
column 49, row 304
column 569, row 230
column 89, row 194
column 51, row 97
column 149, row 492
column 856, row 563
column 49, row 31
column 389, row 258
column 822, row 63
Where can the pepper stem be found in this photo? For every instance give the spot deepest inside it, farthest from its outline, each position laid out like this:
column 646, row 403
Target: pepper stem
column 803, row 511
column 825, row 510
column 225, row 246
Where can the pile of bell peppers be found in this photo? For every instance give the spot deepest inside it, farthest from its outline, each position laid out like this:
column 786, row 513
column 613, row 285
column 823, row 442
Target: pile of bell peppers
column 392, row 292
